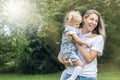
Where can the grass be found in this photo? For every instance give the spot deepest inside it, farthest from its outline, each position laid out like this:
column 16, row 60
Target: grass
column 109, row 72
column 111, row 75
column 55, row 76
column 106, row 72
column 114, row 75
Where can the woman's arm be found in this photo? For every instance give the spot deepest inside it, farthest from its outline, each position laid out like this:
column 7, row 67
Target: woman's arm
column 88, row 56
column 95, row 50
column 60, row 59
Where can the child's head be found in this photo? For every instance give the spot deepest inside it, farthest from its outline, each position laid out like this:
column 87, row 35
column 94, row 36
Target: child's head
column 73, row 18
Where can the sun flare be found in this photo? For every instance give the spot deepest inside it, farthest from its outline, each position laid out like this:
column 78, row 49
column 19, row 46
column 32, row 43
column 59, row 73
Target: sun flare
column 14, row 8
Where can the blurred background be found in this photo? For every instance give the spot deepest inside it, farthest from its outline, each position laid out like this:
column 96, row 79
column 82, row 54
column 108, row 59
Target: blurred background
column 30, row 34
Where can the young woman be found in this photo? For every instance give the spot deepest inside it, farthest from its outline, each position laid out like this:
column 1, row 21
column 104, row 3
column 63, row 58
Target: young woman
column 93, row 31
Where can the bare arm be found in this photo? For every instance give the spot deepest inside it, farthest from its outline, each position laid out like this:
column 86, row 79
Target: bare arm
column 79, row 40
column 74, row 37
column 96, row 49
column 88, row 56
column 59, row 58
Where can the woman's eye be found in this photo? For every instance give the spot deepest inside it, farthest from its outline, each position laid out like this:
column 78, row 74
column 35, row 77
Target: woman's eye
column 96, row 20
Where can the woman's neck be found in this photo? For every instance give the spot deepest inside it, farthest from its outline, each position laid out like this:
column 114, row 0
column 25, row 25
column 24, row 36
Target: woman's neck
column 84, row 31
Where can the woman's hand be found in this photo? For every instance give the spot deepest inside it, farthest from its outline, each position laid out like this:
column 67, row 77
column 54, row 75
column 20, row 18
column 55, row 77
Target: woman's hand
column 67, row 62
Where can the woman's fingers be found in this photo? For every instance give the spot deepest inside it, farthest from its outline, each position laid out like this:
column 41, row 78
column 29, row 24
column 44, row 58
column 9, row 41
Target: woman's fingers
column 67, row 62
column 70, row 62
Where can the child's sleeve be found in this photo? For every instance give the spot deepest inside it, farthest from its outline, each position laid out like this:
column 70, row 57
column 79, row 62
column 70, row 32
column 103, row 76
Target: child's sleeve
column 72, row 32
column 69, row 35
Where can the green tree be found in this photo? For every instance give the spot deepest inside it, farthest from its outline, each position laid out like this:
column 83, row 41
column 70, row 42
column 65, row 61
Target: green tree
column 35, row 36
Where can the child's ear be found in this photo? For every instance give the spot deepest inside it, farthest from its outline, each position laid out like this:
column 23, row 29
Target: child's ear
column 84, row 19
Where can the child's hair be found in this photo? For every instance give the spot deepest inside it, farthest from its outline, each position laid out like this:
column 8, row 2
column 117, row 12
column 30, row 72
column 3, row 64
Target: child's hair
column 72, row 16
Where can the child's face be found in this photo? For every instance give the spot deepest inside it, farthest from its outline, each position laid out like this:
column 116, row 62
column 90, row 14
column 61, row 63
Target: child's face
column 75, row 24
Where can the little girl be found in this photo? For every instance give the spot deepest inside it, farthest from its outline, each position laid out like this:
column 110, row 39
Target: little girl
column 69, row 36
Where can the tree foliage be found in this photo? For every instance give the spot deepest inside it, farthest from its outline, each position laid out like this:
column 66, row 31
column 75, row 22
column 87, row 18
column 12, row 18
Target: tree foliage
column 35, row 36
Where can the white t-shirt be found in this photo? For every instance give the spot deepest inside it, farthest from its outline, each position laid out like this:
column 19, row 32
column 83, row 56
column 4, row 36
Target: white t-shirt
column 90, row 69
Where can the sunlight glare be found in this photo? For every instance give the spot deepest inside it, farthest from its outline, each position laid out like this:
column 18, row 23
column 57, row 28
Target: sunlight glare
column 14, row 8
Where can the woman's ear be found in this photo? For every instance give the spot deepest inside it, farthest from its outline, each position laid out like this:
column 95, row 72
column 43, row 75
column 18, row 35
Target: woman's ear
column 83, row 21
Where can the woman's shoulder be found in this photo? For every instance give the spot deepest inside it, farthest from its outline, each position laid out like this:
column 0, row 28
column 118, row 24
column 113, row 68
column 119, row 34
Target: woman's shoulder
column 96, row 39
column 95, row 36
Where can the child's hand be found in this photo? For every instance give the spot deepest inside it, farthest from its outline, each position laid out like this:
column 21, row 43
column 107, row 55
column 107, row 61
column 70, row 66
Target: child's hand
column 89, row 45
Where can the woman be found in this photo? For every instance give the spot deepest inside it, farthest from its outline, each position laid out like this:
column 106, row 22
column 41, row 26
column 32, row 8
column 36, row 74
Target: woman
column 93, row 31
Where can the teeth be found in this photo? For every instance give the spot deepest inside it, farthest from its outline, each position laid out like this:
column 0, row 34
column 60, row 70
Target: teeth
column 91, row 25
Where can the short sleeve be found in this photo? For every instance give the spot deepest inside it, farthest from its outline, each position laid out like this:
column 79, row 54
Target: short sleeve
column 98, row 44
column 72, row 32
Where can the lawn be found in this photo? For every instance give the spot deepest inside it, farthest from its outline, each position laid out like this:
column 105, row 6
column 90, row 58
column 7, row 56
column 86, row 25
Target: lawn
column 29, row 77
column 109, row 75
column 103, row 75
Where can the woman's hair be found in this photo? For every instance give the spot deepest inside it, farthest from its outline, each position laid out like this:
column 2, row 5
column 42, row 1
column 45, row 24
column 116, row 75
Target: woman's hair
column 72, row 16
column 100, row 28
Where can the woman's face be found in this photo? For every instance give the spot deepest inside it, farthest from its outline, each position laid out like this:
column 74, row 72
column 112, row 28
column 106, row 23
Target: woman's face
column 90, row 22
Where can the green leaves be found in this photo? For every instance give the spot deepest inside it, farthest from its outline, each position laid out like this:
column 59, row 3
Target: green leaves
column 35, row 37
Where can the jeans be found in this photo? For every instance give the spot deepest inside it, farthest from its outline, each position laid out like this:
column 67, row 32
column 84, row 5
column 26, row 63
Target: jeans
column 65, row 76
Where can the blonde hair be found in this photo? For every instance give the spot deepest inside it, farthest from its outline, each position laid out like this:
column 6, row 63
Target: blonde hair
column 72, row 16
column 100, row 28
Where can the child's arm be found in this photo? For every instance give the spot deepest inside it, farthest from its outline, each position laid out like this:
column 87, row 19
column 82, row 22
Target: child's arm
column 80, row 41
column 69, row 36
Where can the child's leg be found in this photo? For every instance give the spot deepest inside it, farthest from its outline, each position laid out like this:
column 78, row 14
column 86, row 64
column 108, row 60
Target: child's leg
column 79, row 64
